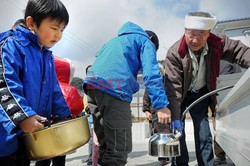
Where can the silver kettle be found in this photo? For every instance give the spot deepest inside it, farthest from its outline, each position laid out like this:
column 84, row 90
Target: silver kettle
column 164, row 145
column 167, row 144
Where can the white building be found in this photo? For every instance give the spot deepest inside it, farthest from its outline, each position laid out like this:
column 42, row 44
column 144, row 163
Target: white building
column 238, row 29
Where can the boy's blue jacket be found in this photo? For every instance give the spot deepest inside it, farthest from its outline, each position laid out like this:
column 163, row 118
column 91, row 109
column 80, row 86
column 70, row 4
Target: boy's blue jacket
column 28, row 85
column 118, row 62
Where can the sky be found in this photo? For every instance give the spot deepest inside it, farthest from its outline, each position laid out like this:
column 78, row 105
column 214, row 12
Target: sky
column 94, row 22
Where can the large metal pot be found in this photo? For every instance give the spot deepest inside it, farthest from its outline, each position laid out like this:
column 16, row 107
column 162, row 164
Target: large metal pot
column 57, row 139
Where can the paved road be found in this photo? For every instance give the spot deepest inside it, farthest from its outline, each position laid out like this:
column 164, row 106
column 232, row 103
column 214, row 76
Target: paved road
column 139, row 156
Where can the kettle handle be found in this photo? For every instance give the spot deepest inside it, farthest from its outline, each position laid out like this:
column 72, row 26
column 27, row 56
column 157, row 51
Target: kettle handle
column 160, row 128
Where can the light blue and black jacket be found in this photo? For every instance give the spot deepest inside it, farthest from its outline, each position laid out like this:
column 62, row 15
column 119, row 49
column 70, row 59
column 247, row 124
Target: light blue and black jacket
column 118, row 62
column 28, row 85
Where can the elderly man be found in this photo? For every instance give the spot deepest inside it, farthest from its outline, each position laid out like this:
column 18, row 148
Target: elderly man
column 192, row 65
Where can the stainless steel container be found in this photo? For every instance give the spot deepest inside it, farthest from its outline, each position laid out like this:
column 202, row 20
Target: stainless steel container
column 164, row 145
column 56, row 140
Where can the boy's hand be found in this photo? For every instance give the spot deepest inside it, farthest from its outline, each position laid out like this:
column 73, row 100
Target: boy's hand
column 32, row 123
column 164, row 115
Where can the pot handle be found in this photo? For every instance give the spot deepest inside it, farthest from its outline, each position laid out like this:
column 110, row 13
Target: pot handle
column 46, row 123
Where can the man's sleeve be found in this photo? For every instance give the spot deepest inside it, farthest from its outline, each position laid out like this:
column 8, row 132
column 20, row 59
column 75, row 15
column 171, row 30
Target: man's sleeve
column 173, row 83
column 236, row 52
column 151, row 76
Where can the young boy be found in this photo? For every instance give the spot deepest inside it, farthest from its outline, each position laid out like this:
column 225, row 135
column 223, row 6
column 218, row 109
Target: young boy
column 29, row 89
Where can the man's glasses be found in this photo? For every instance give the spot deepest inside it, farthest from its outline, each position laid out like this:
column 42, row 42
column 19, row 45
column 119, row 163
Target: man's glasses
column 199, row 36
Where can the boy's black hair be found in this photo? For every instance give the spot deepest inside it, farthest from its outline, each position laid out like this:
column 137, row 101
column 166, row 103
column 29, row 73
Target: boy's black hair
column 154, row 38
column 41, row 9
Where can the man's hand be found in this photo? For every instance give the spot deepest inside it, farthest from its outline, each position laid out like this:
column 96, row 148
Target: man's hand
column 148, row 115
column 32, row 123
column 164, row 115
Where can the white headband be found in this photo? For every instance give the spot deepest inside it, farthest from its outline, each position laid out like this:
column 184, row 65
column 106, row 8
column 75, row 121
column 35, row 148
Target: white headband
column 199, row 23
